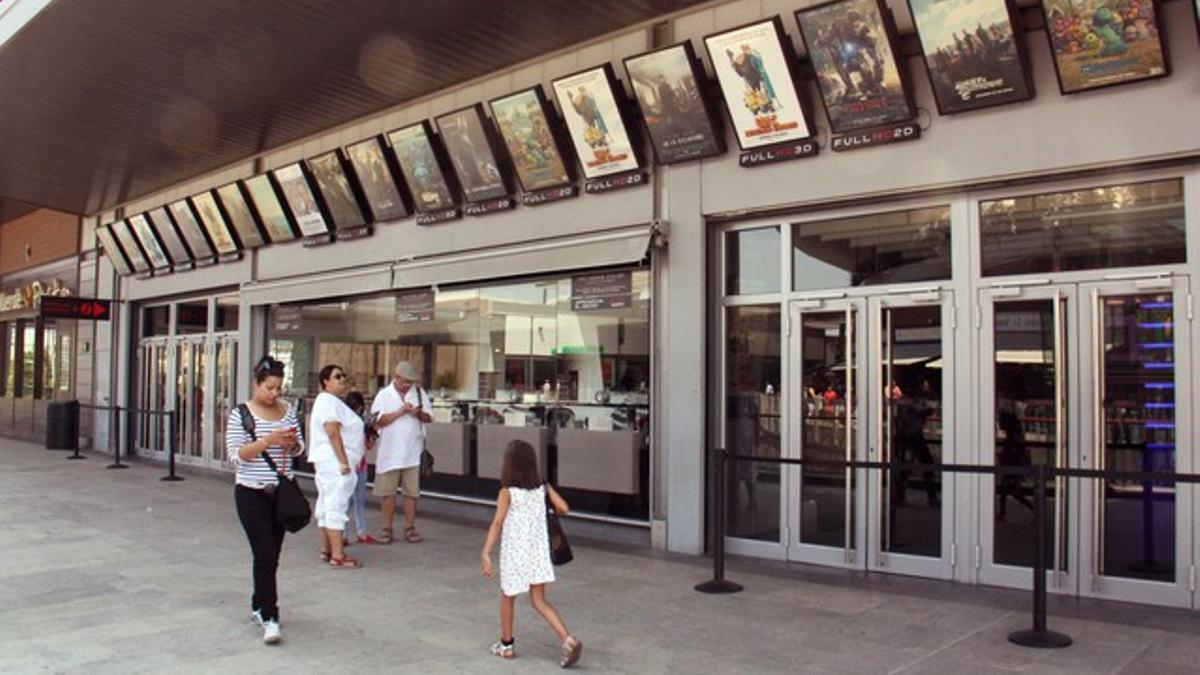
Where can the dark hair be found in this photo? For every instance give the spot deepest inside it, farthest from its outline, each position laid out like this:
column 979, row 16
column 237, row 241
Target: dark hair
column 356, row 402
column 327, row 373
column 266, row 367
column 520, row 468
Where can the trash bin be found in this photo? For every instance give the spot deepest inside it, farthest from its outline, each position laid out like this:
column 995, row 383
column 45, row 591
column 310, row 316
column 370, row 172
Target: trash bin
column 62, row 425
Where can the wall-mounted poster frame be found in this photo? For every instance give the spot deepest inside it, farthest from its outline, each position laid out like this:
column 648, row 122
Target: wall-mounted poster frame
column 164, row 226
column 845, row 38
column 264, row 194
column 215, row 225
column 671, row 91
column 1115, row 56
column 594, row 109
column 112, row 249
column 133, row 250
column 150, row 243
column 755, row 68
column 376, row 171
column 193, row 232
column 239, row 214
column 426, row 170
column 532, row 135
column 338, row 194
column 473, row 149
column 973, row 56
column 301, row 200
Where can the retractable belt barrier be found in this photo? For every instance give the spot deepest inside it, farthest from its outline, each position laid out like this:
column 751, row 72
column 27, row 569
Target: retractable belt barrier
column 1038, row 635
column 116, row 419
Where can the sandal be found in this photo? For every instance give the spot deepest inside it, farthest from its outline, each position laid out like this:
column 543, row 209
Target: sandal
column 571, row 648
column 324, row 556
column 386, row 537
column 345, row 562
column 504, row 651
column 410, row 535
column 367, row 539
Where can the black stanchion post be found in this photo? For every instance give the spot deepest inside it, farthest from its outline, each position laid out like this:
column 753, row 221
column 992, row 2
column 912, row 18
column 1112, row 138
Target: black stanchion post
column 114, row 436
column 718, row 584
column 1038, row 636
column 171, row 449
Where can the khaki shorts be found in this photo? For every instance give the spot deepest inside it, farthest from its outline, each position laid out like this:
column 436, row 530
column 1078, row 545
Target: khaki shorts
column 409, row 480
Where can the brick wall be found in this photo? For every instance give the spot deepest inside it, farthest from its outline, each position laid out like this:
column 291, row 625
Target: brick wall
column 37, row 238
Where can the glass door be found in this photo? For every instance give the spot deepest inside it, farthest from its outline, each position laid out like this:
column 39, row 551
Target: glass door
column 154, row 359
column 224, row 393
column 1136, row 536
column 190, row 408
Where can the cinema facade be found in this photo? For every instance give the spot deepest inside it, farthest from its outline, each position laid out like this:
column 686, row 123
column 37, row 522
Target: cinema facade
column 1003, row 286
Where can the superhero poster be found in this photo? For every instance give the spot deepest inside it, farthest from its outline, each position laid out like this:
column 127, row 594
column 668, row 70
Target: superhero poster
column 666, row 84
column 756, row 79
column 1099, row 43
column 270, row 211
column 971, row 53
column 375, row 176
column 470, row 150
column 595, row 123
column 422, row 170
column 526, row 132
column 850, row 47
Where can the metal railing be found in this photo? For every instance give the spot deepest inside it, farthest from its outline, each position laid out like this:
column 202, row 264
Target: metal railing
column 122, row 435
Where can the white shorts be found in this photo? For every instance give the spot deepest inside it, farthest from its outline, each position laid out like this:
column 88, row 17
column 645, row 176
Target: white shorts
column 333, row 495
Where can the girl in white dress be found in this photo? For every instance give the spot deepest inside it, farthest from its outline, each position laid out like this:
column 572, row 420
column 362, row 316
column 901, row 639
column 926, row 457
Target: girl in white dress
column 520, row 525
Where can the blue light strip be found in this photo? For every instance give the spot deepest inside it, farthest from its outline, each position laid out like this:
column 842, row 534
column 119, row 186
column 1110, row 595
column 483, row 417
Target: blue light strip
column 1159, row 385
column 1157, row 345
column 1160, row 425
column 1159, row 365
column 1156, row 305
column 1156, row 324
column 1159, row 406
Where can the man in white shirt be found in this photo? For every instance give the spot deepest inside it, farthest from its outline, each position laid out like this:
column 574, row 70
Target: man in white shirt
column 404, row 410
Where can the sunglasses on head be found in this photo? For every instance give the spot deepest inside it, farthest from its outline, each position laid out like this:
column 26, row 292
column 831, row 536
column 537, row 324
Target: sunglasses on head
column 266, row 364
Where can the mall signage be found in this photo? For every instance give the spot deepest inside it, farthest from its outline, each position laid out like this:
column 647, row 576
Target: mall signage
column 606, row 290
column 31, row 295
column 87, row 309
column 899, row 133
column 412, row 306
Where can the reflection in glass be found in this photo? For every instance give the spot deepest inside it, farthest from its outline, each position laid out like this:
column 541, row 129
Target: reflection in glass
column 752, row 375
column 911, row 354
column 1139, row 435
column 752, row 261
column 1028, row 385
column 1116, row 226
column 879, row 248
column 829, row 419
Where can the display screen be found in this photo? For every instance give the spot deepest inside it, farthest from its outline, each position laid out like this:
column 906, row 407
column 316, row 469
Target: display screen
column 850, row 47
column 190, row 228
column 301, row 200
column 113, row 250
column 214, row 223
column 466, row 139
column 753, row 69
column 595, row 123
column 335, row 188
column 270, row 211
column 667, row 86
column 422, row 171
column 240, row 215
column 529, row 136
column 168, row 235
column 375, row 176
column 129, row 244
column 1099, row 44
column 149, row 241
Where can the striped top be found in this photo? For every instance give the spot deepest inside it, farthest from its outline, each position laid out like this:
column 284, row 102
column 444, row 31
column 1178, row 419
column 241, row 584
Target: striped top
column 255, row 473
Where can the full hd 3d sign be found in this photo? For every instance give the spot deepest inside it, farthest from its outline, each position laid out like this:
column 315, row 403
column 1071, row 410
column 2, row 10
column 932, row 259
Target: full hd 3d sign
column 75, row 308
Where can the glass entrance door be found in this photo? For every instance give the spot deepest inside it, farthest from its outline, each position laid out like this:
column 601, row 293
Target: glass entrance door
column 224, row 393
column 154, row 358
column 190, row 367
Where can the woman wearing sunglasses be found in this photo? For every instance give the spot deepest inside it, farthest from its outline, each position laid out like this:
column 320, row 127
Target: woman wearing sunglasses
column 337, row 444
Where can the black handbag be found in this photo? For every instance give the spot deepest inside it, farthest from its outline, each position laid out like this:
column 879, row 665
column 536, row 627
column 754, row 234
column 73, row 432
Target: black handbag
column 560, row 548
column 292, row 510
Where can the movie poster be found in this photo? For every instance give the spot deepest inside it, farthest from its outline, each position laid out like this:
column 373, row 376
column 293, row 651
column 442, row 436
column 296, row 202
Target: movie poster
column 189, row 227
column 527, row 134
column 420, row 167
column 1098, row 43
column 301, row 200
column 595, row 123
column 214, row 223
column 113, row 251
column 851, row 52
column 757, row 83
column 466, row 140
column 667, row 89
column 169, row 236
column 375, row 177
column 240, row 216
column 154, row 250
column 270, row 211
column 335, row 188
column 971, row 53
column 129, row 244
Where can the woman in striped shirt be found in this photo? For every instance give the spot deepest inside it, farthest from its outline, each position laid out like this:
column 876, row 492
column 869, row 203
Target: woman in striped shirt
column 277, row 433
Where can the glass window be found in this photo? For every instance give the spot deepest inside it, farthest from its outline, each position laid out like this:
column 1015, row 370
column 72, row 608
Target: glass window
column 10, row 359
column 227, row 314
column 26, row 383
column 752, row 261
column 1115, row 226
column 191, row 317
column 752, row 396
column 880, row 248
column 156, row 321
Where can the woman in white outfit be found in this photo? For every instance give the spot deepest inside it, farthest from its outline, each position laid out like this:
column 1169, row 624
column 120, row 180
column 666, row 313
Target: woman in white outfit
column 336, row 444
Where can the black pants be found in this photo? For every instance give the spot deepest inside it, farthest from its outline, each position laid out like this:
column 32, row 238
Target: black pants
column 256, row 510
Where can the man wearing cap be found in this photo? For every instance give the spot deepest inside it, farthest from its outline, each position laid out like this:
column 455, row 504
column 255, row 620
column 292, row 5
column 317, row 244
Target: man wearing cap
column 403, row 410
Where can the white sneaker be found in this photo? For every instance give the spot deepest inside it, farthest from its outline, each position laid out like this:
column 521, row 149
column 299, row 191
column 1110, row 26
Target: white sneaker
column 256, row 617
column 271, row 633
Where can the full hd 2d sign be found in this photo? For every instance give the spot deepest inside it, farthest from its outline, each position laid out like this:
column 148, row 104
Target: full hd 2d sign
column 899, row 133
column 87, row 309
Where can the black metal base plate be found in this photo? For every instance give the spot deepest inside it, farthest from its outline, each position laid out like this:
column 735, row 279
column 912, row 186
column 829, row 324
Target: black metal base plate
column 172, row 479
column 719, row 586
column 1039, row 639
column 117, row 466
column 76, row 457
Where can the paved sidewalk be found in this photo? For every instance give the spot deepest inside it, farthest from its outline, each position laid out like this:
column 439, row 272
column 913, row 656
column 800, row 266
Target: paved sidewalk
column 117, row 572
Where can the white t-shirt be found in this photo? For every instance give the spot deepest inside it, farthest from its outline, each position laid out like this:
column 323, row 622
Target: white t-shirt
column 329, row 408
column 400, row 443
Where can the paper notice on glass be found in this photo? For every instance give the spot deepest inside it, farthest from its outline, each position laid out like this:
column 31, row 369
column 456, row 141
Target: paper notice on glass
column 444, row 415
column 601, row 422
column 514, row 419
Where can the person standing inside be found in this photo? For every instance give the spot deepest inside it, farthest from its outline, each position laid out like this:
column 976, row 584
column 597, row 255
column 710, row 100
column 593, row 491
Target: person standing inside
column 358, row 501
column 404, row 410
column 276, row 432
column 338, row 444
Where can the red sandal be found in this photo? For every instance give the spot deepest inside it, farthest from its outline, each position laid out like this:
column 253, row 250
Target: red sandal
column 345, row 562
